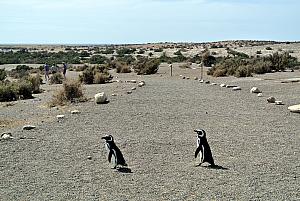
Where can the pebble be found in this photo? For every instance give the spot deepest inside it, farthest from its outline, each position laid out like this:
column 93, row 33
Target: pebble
column 75, row 112
column 271, row 99
column 28, row 127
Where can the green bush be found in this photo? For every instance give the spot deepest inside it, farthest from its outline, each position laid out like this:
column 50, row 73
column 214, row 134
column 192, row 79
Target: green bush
column 21, row 71
column 25, row 89
column 35, row 81
column 146, row 66
column 56, row 78
column 8, row 92
column 3, row 74
column 87, row 76
column 95, row 75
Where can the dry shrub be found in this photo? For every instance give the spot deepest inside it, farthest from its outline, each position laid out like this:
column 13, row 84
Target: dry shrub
column 122, row 68
column 36, row 81
column 100, row 78
column 71, row 92
column 219, row 72
column 56, row 78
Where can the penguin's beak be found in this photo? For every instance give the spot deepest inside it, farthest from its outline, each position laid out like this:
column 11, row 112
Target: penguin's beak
column 104, row 138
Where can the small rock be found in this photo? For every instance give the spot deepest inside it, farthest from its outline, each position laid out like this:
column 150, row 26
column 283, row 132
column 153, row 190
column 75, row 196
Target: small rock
column 60, row 116
column 129, row 92
column 255, row 90
column 6, row 136
column 213, row 83
column 294, row 108
column 114, row 95
column 271, row 99
column 132, row 81
column 230, row 86
column 279, row 103
column 187, row 78
column 222, row 85
column 89, row 157
column 207, row 82
column 260, row 95
column 28, row 127
column 236, row 88
column 201, row 81
column 141, row 83
column 100, row 98
column 75, row 112
column 133, row 88
column 195, row 78
column 183, row 77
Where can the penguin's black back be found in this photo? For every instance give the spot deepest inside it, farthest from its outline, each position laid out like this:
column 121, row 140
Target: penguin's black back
column 117, row 153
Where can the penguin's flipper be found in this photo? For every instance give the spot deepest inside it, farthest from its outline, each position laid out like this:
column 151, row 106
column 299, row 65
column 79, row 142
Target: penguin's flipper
column 109, row 156
column 197, row 151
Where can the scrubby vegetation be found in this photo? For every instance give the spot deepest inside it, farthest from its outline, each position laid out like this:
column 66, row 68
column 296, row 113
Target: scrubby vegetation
column 3, row 74
column 95, row 75
column 241, row 67
column 56, row 78
column 71, row 92
column 146, row 66
column 10, row 91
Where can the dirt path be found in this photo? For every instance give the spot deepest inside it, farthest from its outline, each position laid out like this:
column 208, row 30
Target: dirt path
column 257, row 143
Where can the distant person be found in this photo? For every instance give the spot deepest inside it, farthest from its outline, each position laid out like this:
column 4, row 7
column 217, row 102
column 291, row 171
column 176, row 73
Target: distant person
column 46, row 66
column 64, row 69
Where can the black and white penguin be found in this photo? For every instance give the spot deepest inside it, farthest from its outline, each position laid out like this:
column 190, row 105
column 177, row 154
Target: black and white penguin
column 114, row 151
column 203, row 147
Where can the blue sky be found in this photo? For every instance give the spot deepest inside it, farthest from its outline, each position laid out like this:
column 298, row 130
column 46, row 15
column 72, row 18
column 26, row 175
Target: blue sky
column 142, row 21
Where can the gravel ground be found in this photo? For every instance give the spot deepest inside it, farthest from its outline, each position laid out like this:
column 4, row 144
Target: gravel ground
column 256, row 143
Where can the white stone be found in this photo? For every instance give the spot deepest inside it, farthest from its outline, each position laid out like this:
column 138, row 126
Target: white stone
column 255, row 90
column 279, row 103
column 213, row 83
column 222, row 85
column 132, row 81
column 236, row 88
column 187, row 78
column 133, row 88
column 6, row 136
column 129, row 92
column 141, row 83
column 114, row 95
column 28, row 127
column 195, row 78
column 100, row 98
column 294, row 108
column 60, row 116
column 271, row 99
column 260, row 95
column 75, row 112
column 201, row 81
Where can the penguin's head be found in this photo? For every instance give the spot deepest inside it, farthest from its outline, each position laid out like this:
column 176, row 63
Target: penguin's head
column 108, row 138
column 201, row 133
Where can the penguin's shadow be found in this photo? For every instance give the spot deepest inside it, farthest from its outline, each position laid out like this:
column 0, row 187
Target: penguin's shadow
column 216, row 167
column 124, row 170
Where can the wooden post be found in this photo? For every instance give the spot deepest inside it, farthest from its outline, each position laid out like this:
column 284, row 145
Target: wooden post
column 171, row 66
column 201, row 71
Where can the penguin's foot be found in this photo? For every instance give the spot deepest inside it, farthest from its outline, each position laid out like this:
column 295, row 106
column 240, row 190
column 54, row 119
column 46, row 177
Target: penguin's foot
column 115, row 167
column 198, row 165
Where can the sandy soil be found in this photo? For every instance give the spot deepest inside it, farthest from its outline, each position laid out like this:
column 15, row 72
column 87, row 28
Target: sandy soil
column 256, row 143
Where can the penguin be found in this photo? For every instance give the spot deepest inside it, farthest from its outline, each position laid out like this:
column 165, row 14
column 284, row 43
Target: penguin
column 203, row 147
column 114, row 151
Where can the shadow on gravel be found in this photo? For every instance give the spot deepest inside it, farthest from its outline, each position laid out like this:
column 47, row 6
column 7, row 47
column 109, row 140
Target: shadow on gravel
column 216, row 167
column 124, row 170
